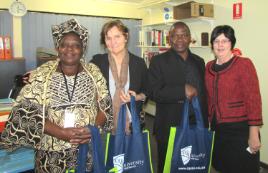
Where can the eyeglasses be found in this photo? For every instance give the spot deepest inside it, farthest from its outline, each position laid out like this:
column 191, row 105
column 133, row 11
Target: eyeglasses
column 221, row 41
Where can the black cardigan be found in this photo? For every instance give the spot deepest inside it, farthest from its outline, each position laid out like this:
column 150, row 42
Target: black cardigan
column 137, row 72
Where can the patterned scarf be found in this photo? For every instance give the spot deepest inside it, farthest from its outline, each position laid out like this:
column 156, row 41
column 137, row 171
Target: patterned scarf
column 120, row 82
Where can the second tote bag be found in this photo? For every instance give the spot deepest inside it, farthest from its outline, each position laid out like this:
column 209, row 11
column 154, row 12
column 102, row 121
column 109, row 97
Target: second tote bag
column 128, row 153
column 189, row 147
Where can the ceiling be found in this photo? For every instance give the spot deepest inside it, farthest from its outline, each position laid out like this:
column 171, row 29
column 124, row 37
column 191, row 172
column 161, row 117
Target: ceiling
column 148, row 3
column 130, row 1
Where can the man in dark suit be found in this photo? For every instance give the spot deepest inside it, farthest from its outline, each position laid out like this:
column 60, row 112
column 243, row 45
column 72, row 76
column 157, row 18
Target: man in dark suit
column 174, row 76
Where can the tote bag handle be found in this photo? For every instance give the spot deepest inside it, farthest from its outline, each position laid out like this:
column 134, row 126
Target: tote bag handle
column 136, row 128
column 98, row 154
column 122, row 118
column 121, row 122
column 197, row 112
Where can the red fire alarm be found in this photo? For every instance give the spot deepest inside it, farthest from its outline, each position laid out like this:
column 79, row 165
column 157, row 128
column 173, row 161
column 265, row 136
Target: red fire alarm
column 237, row 10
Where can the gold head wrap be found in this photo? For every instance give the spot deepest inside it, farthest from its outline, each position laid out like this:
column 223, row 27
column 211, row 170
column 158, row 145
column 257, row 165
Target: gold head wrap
column 58, row 32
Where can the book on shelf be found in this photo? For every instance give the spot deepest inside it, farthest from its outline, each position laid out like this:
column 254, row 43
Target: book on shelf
column 7, row 47
column 148, row 55
column 154, row 37
column 5, row 109
column 6, row 101
column 4, row 115
column 2, row 53
column 6, row 104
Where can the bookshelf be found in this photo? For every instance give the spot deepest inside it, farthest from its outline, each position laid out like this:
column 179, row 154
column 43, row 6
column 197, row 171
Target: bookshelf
column 154, row 38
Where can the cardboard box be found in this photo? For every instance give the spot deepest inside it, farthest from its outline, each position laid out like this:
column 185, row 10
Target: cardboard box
column 193, row 9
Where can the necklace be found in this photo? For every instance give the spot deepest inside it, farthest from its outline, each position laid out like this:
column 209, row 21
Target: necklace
column 70, row 96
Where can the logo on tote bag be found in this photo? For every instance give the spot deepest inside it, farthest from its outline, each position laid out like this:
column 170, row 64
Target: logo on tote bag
column 186, row 154
column 120, row 166
column 118, row 162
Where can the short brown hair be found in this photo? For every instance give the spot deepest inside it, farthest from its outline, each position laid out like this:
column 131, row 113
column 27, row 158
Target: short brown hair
column 107, row 26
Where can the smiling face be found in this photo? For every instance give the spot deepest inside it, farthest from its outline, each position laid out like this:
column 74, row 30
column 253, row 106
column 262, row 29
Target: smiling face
column 222, row 47
column 180, row 39
column 115, row 40
column 70, row 49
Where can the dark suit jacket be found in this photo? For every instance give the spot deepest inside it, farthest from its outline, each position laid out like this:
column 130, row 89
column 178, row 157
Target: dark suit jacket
column 137, row 73
column 167, row 81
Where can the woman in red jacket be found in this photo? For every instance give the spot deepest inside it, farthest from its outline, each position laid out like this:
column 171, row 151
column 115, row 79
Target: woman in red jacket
column 234, row 106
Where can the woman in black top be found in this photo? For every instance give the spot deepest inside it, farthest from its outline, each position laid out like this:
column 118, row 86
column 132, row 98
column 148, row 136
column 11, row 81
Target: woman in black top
column 126, row 74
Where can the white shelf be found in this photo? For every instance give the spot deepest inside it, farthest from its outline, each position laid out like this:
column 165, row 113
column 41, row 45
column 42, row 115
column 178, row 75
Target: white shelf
column 188, row 20
column 191, row 46
column 145, row 46
column 159, row 3
column 150, row 4
column 203, row 47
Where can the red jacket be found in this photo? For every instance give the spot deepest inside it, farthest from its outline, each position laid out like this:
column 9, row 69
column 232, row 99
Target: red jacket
column 233, row 93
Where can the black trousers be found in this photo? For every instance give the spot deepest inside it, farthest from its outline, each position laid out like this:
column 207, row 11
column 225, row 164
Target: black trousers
column 162, row 144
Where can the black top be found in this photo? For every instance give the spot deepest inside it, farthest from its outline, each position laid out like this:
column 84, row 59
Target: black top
column 217, row 67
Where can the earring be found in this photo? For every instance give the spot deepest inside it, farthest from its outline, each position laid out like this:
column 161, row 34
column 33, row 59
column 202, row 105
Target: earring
column 82, row 59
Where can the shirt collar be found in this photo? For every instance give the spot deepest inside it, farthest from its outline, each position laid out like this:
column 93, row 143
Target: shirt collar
column 178, row 56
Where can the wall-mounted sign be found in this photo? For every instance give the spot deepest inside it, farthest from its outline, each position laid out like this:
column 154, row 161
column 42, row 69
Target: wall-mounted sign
column 167, row 14
column 237, row 10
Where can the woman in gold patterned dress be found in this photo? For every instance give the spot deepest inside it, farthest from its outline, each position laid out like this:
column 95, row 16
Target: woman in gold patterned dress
column 61, row 98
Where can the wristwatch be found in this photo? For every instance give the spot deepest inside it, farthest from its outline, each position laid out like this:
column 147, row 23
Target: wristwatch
column 17, row 8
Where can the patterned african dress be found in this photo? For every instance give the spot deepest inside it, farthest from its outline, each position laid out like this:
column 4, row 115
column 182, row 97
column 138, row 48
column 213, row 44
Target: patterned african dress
column 46, row 98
